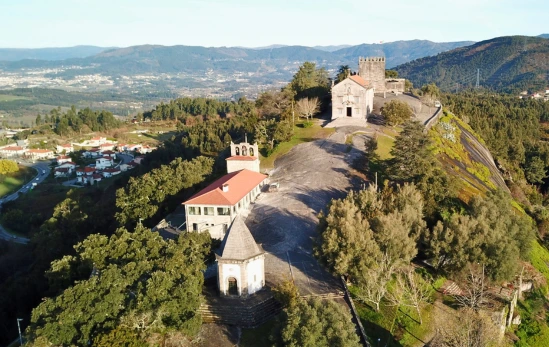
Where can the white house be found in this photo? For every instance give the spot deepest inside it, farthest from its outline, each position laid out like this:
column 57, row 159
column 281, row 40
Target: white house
column 240, row 262
column 85, row 171
column 68, row 165
column 61, row 172
column 12, row 151
column 109, row 172
column 96, row 141
column 63, row 159
column 92, row 153
column 65, row 148
column 109, row 153
column 102, row 163
column 107, row 146
column 37, row 154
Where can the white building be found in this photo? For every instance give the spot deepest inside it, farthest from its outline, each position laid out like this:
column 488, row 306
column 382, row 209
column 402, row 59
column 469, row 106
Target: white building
column 240, row 262
column 66, row 148
column 352, row 98
column 37, row 154
column 12, row 151
column 216, row 206
column 102, row 163
column 62, row 159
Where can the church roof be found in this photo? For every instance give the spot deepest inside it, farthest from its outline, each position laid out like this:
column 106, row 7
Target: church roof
column 359, row 80
column 239, row 244
column 239, row 184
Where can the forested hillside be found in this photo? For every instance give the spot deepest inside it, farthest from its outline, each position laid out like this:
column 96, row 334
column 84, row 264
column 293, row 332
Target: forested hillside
column 508, row 64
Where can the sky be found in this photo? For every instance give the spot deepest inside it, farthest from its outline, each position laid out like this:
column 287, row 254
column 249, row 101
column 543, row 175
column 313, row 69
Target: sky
column 215, row 23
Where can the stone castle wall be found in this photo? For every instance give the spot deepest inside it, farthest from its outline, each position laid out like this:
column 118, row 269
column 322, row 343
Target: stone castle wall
column 372, row 69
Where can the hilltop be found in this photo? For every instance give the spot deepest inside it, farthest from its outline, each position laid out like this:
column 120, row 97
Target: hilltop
column 505, row 64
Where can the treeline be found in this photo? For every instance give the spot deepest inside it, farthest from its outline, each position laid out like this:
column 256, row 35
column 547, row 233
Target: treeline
column 73, row 121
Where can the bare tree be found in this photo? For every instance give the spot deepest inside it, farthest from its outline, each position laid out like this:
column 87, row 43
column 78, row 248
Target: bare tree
column 474, row 289
column 467, row 328
column 411, row 290
column 372, row 283
column 308, row 107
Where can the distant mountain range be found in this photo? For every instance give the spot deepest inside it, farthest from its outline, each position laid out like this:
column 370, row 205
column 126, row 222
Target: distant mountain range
column 507, row 64
column 172, row 59
column 545, row 36
column 61, row 53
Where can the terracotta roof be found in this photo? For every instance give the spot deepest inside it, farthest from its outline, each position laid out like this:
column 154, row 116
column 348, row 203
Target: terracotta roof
column 39, row 151
column 68, row 163
column 111, row 170
column 242, row 157
column 97, row 176
column 106, row 145
column 359, row 80
column 108, row 152
column 239, row 244
column 63, row 157
column 240, row 183
column 85, row 169
column 13, row 148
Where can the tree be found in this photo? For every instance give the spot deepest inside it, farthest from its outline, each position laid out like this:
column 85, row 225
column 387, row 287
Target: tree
column 137, row 273
column 391, row 74
column 535, row 170
column 343, row 72
column 372, row 283
column 396, row 112
column 286, row 293
column 8, row 166
column 269, row 133
column 466, row 328
column 309, row 82
column 316, row 323
column 474, row 288
column 431, row 91
column 308, row 107
column 38, row 120
column 411, row 290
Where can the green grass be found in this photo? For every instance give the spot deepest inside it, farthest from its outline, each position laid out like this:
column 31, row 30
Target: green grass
column 539, row 257
column 301, row 135
column 13, row 181
column 5, row 97
column 384, row 146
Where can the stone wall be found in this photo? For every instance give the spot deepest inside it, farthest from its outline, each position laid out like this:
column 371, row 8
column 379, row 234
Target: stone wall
column 237, row 165
column 372, row 69
column 395, row 85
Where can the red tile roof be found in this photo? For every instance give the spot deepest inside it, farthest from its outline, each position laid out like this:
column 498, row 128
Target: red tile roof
column 240, row 183
column 97, row 176
column 63, row 157
column 111, row 170
column 43, row 151
column 13, row 148
column 359, row 80
column 85, row 169
column 241, row 157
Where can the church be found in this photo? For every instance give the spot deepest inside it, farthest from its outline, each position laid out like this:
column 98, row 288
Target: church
column 354, row 96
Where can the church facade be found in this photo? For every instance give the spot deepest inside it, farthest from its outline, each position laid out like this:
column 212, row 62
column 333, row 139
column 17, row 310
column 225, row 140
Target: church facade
column 354, row 96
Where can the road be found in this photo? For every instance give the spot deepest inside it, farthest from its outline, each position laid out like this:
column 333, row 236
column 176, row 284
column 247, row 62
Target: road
column 43, row 170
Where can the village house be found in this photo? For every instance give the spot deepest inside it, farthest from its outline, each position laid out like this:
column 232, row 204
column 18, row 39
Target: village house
column 146, row 149
column 109, row 153
column 92, row 153
column 12, row 151
column 138, row 159
column 68, row 165
column 64, row 148
column 104, row 162
column 61, row 172
column 63, row 159
column 96, row 178
column 214, row 208
column 95, row 141
column 38, row 154
column 107, row 146
column 84, row 171
column 109, row 172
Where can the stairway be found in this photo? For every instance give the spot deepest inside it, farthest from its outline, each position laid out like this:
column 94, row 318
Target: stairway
column 240, row 312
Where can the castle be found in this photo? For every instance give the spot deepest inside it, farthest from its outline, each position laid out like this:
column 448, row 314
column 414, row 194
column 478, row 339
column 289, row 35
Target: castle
column 354, row 96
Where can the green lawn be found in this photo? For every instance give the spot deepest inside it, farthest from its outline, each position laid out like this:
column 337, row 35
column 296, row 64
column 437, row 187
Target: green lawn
column 13, row 181
column 5, row 97
column 301, row 135
column 384, row 146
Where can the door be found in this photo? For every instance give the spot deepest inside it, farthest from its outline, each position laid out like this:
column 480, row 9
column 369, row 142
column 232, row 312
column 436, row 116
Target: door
column 349, row 112
column 233, row 288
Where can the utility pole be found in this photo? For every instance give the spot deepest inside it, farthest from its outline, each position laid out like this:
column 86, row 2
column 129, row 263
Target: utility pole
column 19, row 328
column 293, row 116
column 478, row 79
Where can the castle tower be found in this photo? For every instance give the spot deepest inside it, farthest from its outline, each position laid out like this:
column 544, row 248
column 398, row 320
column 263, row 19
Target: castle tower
column 243, row 156
column 240, row 262
column 372, row 69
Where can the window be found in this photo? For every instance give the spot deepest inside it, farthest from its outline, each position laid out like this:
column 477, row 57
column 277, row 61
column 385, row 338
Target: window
column 194, row 211
column 223, row 211
column 251, row 152
column 208, row 211
column 237, row 151
column 244, row 151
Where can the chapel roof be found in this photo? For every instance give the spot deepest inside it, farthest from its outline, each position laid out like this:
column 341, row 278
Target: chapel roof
column 239, row 244
column 359, row 80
